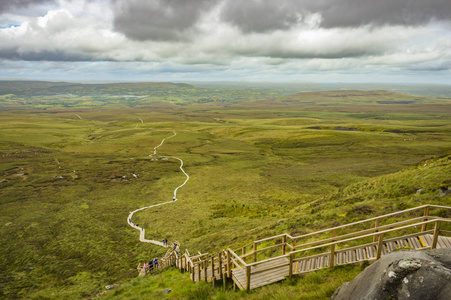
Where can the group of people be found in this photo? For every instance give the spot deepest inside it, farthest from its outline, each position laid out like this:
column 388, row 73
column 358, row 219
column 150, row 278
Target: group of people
column 151, row 265
column 175, row 247
column 133, row 224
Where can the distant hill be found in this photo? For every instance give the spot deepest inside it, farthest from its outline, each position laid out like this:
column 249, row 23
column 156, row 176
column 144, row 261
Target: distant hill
column 42, row 88
column 354, row 97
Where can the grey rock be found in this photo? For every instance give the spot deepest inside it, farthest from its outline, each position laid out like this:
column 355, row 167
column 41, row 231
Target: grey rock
column 167, row 291
column 402, row 275
column 443, row 191
column 111, row 286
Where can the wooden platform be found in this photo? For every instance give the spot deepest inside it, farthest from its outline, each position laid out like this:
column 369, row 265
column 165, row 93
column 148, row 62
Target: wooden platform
column 262, row 274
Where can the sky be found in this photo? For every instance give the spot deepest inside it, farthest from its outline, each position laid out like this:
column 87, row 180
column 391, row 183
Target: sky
column 392, row 41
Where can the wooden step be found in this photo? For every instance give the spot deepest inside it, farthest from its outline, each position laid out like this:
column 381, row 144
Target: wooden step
column 371, row 252
column 360, row 254
column 302, row 267
column 444, row 242
column 402, row 243
column 391, row 246
column 311, row 265
column 414, row 243
column 340, row 258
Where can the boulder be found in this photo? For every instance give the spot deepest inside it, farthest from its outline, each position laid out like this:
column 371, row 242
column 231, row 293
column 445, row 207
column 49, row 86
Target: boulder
column 412, row 275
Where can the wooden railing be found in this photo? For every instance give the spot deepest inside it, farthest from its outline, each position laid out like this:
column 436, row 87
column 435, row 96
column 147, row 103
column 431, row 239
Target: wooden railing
column 286, row 250
column 286, row 241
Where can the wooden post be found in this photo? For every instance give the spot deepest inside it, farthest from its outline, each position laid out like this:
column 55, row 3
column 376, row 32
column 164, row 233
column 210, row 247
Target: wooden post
column 248, row 278
column 376, row 225
column 379, row 246
column 426, row 213
column 290, row 269
column 224, row 280
column 243, row 250
column 212, row 266
column 332, row 251
column 294, row 244
column 284, row 241
column 332, row 256
column 205, row 269
column 436, row 232
column 220, row 265
column 229, row 268
column 198, row 272
column 255, row 251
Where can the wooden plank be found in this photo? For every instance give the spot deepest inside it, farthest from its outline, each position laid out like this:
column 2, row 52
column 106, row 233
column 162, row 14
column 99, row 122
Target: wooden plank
column 391, row 246
column 302, row 266
column 414, row 243
column 270, row 264
column 262, row 278
column 427, row 239
column 444, row 241
column 340, row 258
column 311, row 264
column 360, row 254
column 270, row 268
column 321, row 262
column 371, row 252
column 402, row 243
column 326, row 260
column 350, row 256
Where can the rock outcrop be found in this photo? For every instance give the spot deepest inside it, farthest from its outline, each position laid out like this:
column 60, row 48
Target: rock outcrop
column 402, row 275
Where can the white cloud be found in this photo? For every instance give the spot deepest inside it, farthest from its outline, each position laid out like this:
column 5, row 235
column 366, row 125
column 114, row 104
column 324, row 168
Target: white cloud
column 83, row 31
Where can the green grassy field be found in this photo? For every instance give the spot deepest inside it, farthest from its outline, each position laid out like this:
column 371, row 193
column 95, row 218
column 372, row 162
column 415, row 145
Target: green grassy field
column 257, row 168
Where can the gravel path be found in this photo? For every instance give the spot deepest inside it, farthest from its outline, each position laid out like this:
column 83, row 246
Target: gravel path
column 129, row 219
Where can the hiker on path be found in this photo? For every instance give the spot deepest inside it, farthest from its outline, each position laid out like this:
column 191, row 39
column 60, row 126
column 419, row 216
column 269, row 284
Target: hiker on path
column 155, row 262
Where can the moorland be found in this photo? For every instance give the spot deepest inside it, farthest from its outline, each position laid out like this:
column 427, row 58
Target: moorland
column 261, row 162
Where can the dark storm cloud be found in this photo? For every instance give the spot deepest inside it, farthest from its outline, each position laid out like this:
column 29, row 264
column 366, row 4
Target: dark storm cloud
column 169, row 19
column 157, row 19
column 352, row 13
column 11, row 5
column 266, row 15
column 44, row 55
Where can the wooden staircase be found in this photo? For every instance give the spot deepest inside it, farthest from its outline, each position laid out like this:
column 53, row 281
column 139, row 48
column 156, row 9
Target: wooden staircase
column 275, row 258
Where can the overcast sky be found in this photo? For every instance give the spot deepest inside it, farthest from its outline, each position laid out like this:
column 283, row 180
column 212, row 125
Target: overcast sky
column 249, row 40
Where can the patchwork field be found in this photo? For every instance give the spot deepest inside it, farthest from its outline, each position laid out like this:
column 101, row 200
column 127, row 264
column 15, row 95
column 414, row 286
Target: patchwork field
column 257, row 167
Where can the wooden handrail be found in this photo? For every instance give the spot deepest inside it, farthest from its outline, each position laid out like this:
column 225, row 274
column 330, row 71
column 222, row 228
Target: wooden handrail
column 373, row 234
column 339, row 227
column 368, row 220
column 352, row 239
column 237, row 256
column 270, row 238
column 375, row 229
column 364, row 231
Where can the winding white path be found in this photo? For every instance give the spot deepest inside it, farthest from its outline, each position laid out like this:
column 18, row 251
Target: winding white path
column 129, row 219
